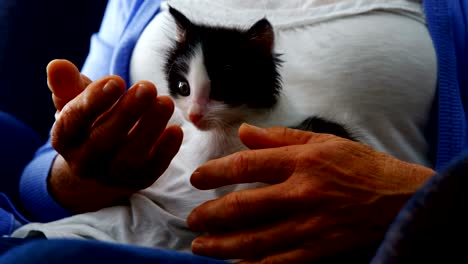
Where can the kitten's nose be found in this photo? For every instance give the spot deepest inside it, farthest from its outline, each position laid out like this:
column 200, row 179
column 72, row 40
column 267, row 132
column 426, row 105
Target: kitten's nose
column 195, row 118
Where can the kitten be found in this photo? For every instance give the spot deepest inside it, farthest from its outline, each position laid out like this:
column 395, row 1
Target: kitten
column 215, row 72
column 221, row 77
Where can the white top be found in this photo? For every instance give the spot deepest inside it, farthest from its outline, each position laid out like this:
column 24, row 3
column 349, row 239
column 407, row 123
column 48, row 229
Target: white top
column 287, row 14
column 368, row 64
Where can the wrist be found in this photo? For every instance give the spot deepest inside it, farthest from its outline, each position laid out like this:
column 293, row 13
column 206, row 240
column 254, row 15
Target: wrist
column 81, row 195
column 410, row 177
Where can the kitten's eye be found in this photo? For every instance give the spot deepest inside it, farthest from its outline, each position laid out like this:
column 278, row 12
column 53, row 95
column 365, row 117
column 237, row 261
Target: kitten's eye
column 184, row 88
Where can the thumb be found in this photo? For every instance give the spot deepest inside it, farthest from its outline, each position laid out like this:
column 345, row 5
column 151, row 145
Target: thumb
column 65, row 81
column 260, row 138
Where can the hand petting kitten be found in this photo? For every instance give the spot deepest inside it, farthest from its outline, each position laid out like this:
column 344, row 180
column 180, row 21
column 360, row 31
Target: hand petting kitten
column 327, row 195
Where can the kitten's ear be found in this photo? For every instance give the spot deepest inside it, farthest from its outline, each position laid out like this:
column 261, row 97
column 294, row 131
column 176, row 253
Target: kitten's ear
column 183, row 24
column 261, row 33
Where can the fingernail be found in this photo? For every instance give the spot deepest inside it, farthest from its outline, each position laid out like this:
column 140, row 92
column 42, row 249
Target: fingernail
column 196, row 173
column 162, row 103
column 110, row 87
column 49, row 64
column 255, row 128
column 198, row 245
column 143, row 91
column 57, row 115
column 198, row 181
column 47, row 68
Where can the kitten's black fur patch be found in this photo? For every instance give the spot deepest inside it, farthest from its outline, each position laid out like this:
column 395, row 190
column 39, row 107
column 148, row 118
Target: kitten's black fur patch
column 320, row 125
column 241, row 64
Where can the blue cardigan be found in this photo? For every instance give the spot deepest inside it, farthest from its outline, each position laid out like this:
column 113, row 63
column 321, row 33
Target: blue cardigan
column 447, row 22
column 125, row 20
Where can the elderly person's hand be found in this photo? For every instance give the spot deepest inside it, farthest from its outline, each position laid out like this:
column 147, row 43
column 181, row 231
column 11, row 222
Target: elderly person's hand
column 111, row 143
column 326, row 195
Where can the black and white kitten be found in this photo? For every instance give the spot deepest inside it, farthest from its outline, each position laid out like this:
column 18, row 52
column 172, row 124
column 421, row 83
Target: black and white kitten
column 215, row 74
column 221, row 77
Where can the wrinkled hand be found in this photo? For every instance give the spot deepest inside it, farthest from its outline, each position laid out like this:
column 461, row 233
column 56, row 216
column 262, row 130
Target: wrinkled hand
column 326, row 195
column 111, row 143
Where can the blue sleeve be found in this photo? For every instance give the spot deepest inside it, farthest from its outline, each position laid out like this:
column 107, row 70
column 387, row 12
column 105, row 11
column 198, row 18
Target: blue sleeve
column 448, row 130
column 426, row 228
column 34, row 193
column 104, row 43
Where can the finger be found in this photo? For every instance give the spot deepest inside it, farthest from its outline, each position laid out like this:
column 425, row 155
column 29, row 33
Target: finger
column 76, row 118
column 147, row 131
column 148, row 136
column 149, row 128
column 111, row 130
column 267, row 166
column 316, row 256
column 315, row 237
column 251, row 244
column 288, row 257
column 165, row 150
column 337, row 247
column 245, row 208
column 297, row 194
column 125, row 174
column 65, row 81
column 262, row 241
column 136, row 149
column 260, row 138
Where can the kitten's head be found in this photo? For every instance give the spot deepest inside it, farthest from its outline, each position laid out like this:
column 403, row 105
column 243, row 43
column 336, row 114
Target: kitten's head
column 218, row 76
